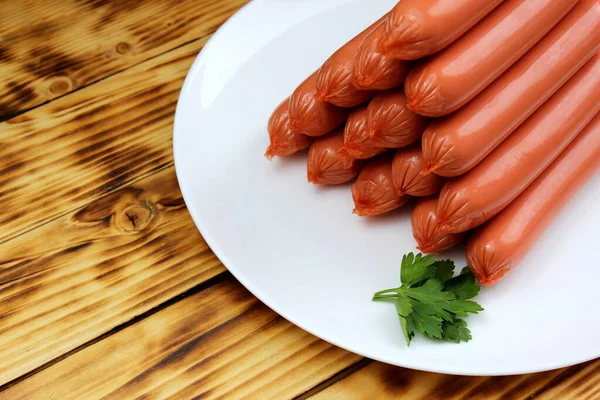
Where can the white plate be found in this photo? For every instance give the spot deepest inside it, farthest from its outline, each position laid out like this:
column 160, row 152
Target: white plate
column 299, row 249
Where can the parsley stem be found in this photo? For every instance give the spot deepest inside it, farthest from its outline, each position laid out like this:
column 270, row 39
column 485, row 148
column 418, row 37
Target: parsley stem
column 385, row 298
column 386, row 295
column 395, row 290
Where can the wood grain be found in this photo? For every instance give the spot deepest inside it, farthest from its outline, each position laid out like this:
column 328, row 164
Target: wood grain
column 51, row 48
column 388, row 382
column 66, row 153
column 219, row 343
column 77, row 277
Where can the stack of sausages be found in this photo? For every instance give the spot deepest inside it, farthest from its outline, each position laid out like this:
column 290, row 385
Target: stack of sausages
column 487, row 112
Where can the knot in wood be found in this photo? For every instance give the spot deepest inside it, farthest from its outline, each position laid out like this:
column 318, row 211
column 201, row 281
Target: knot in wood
column 60, row 86
column 135, row 217
column 123, row 48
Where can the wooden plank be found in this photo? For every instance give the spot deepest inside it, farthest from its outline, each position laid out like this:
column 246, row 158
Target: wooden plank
column 382, row 381
column 219, row 343
column 22, row 15
column 84, row 41
column 79, row 276
column 66, row 153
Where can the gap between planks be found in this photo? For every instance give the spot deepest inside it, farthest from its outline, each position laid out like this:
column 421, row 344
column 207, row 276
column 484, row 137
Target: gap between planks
column 334, row 379
column 112, row 191
column 196, row 289
column 25, row 110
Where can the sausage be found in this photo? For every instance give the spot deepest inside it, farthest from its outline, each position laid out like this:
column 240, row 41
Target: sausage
column 311, row 116
column 372, row 69
column 408, row 176
column 390, row 123
column 424, row 226
column 385, row 123
column 357, row 142
column 500, row 245
column 325, row 166
column 448, row 80
column 455, row 144
column 374, row 192
column 418, row 28
column 334, row 83
column 283, row 141
column 470, row 200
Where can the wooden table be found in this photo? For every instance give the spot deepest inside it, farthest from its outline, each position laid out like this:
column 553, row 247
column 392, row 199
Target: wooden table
column 106, row 287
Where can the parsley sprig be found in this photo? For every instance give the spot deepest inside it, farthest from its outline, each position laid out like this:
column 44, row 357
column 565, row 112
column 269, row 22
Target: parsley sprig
column 431, row 299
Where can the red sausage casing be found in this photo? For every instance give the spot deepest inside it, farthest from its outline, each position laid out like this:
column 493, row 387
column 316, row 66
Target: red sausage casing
column 311, row 116
column 284, row 141
column 334, row 83
column 384, row 123
column 324, row 163
column 373, row 70
column 424, row 226
column 455, row 144
column 357, row 142
column 374, row 192
column 500, row 245
column 390, row 123
column 407, row 172
column 471, row 199
column 448, row 80
column 418, row 28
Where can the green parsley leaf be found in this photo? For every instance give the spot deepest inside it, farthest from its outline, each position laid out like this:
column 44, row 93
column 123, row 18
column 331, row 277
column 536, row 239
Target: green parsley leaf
column 444, row 270
column 463, row 307
column 404, row 309
column 463, row 286
column 408, row 332
column 433, row 296
column 456, row 331
column 426, row 321
column 403, row 306
column 416, row 268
